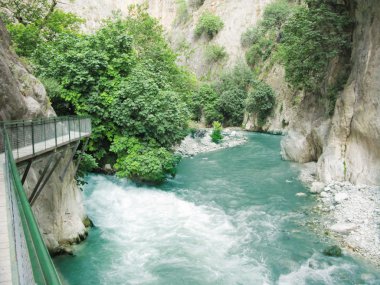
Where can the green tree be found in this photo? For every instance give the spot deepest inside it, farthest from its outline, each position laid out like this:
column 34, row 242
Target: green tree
column 261, row 101
column 313, row 36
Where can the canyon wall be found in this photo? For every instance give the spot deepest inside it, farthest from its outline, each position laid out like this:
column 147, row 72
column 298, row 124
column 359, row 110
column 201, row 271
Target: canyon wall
column 346, row 145
column 59, row 210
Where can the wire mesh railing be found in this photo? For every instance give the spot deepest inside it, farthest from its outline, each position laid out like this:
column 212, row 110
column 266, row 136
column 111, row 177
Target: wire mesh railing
column 29, row 137
column 23, row 138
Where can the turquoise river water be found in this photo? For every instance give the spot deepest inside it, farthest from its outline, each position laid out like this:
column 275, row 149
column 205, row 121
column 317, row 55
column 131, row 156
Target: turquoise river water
column 229, row 217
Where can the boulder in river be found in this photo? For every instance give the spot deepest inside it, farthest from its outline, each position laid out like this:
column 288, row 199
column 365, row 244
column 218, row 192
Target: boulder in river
column 333, row 250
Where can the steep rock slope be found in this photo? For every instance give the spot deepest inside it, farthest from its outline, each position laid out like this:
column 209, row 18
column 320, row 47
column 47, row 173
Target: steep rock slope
column 353, row 145
column 237, row 16
column 346, row 146
column 59, row 210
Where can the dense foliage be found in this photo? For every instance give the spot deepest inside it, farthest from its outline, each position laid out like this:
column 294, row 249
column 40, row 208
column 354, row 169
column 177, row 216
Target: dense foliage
column 261, row 40
column 233, row 88
column 260, row 100
column 143, row 161
column 208, row 24
column 312, row 37
column 126, row 78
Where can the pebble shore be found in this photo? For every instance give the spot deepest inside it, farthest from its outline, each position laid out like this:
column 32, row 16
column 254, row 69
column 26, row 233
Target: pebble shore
column 201, row 142
column 349, row 213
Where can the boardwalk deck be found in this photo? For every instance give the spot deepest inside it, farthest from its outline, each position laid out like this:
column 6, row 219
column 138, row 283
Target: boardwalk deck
column 5, row 223
column 5, row 257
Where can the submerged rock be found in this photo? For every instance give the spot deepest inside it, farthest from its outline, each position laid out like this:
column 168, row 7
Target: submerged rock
column 333, row 251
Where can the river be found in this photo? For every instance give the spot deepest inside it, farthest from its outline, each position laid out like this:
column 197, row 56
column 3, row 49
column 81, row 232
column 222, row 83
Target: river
column 229, row 217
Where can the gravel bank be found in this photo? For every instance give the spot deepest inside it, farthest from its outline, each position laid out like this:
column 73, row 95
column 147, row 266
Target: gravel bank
column 201, row 142
column 349, row 213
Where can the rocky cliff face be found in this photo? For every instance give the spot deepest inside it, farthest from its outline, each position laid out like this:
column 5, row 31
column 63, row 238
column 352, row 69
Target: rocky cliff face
column 237, row 16
column 58, row 210
column 346, row 145
column 353, row 145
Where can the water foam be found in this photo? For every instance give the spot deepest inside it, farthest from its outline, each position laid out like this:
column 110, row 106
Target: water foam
column 153, row 231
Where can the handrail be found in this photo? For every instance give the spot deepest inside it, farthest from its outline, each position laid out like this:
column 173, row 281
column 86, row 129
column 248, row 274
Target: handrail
column 46, row 119
column 43, row 269
column 25, row 138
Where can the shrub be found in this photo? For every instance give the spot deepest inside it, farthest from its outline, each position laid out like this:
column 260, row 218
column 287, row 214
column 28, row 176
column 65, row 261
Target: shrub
column 231, row 106
column 215, row 53
column 144, row 162
column 209, row 24
column 312, row 37
column 205, row 102
column 275, row 14
column 260, row 100
column 216, row 135
column 233, row 87
column 250, row 36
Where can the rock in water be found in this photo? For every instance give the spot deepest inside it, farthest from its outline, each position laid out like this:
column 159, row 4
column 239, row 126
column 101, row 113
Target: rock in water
column 333, row 251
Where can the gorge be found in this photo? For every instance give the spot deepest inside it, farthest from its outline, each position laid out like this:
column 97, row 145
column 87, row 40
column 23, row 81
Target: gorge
column 148, row 79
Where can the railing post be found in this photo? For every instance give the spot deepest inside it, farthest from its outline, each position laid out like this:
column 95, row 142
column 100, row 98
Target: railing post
column 68, row 119
column 17, row 140
column 79, row 127
column 55, row 131
column 32, row 125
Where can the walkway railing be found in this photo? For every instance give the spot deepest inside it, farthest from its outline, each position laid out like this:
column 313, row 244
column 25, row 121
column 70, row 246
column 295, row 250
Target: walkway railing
column 22, row 139
column 30, row 137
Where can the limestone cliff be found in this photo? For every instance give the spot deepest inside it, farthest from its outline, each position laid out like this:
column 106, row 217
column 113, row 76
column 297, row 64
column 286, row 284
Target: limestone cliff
column 59, row 210
column 237, row 16
column 346, row 145
column 353, row 145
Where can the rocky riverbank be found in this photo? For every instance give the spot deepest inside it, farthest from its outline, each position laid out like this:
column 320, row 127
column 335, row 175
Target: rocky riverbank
column 349, row 213
column 200, row 141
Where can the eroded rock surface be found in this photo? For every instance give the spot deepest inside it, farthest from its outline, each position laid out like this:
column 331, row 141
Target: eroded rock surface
column 59, row 210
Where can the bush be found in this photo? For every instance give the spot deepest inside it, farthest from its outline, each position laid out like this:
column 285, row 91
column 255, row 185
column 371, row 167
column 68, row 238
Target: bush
column 260, row 100
column 275, row 14
column 143, row 162
column 205, row 102
column 216, row 135
column 231, row 106
column 312, row 37
column 233, row 87
column 215, row 53
column 209, row 24
column 250, row 36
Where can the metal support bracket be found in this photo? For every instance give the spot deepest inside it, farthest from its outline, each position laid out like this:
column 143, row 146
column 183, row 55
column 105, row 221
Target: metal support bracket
column 49, row 162
column 57, row 160
column 70, row 160
column 26, row 171
column 80, row 157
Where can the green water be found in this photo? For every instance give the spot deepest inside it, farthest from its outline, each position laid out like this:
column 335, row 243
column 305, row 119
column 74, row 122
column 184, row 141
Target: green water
column 229, row 217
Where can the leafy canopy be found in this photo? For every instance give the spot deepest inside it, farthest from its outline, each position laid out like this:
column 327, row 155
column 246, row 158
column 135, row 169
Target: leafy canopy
column 311, row 39
column 126, row 78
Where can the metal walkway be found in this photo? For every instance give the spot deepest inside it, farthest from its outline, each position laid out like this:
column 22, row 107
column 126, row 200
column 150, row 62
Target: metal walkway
column 24, row 258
